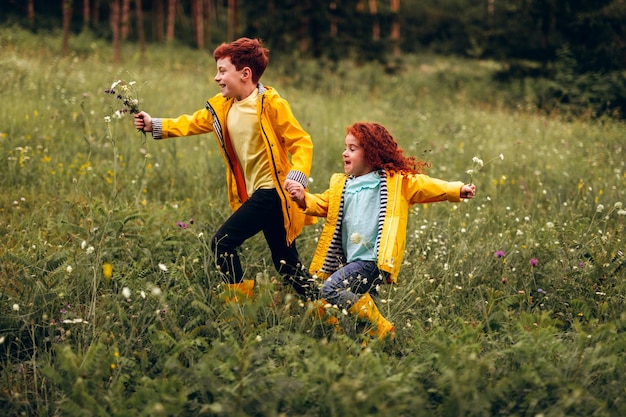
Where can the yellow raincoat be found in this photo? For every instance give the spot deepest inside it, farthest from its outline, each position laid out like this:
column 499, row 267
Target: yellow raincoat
column 402, row 192
column 283, row 138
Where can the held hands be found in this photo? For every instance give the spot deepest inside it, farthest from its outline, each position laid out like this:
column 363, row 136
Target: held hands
column 143, row 122
column 296, row 192
column 468, row 191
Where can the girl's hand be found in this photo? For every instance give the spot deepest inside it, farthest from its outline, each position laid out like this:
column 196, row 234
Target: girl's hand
column 296, row 191
column 468, row 191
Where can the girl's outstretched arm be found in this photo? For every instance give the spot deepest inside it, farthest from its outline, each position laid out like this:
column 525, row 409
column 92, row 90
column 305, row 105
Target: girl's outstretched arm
column 468, row 191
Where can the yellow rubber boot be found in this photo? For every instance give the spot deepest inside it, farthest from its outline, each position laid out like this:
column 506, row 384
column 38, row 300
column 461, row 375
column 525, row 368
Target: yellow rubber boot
column 240, row 291
column 365, row 308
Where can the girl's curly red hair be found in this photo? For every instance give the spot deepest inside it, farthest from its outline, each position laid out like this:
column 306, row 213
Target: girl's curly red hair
column 381, row 150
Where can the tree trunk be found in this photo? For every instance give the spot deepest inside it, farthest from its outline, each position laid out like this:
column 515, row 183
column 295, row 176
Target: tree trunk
column 233, row 20
column 395, row 27
column 304, row 34
column 67, row 20
column 198, row 22
column 208, row 13
column 333, row 19
column 140, row 30
column 95, row 12
column 114, row 21
column 158, row 21
column 376, row 22
column 31, row 12
column 125, row 19
column 86, row 14
column 171, row 20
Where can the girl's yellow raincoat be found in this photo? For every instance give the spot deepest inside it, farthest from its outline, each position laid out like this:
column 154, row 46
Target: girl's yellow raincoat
column 400, row 191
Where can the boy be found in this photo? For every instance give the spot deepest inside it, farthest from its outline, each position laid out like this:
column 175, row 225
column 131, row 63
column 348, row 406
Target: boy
column 257, row 134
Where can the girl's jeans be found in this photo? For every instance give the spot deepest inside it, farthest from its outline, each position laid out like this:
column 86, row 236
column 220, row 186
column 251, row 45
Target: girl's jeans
column 346, row 285
column 262, row 212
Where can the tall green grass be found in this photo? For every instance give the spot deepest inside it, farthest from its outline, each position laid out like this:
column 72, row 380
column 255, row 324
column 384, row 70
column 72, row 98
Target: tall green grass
column 509, row 304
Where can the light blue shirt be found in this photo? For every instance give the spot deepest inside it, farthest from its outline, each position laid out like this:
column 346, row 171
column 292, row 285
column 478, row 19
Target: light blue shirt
column 361, row 208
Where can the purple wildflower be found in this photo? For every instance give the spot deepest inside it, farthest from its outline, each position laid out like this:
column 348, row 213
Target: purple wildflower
column 499, row 254
column 534, row 261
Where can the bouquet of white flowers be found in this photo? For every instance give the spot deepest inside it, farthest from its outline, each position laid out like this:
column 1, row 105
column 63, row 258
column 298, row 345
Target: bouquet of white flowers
column 125, row 92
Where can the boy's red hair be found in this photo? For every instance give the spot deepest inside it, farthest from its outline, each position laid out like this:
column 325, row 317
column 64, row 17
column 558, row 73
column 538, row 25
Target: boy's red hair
column 245, row 52
column 381, row 151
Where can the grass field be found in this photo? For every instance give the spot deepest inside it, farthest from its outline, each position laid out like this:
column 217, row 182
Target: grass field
column 510, row 304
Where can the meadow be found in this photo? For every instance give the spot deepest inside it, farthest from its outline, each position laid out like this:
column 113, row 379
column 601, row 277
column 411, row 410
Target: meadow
column 510, row 304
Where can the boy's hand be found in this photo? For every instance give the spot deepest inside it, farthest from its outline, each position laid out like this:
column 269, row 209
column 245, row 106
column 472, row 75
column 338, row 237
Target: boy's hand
column 143, row 122
column 468, row 191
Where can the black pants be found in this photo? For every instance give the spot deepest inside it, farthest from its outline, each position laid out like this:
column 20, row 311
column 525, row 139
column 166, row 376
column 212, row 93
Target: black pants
column 261, row 212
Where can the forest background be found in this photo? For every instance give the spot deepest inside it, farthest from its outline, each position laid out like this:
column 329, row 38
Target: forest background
column 511, row 304
column 562, row 53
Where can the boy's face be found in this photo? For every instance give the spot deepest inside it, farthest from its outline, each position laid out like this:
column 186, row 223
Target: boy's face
column 233, row 83
column 354, row 158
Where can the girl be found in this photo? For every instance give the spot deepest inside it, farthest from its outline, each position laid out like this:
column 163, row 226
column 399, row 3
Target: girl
column 366, row 209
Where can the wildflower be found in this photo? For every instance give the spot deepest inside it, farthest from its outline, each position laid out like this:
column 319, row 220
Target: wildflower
column 107, row 270
column 143, row 294
column 541, row 291
column 534, row 261
column 618, row 205
column 499, row 254
column 1, row 340
column 182, row 225
column 163, row 267
column 90, row 249
column 550, row 225
column 69, row 269
column 126, row 292
column 125, row 92
column 504, row 280
column 600, row 208
column 16, row 307
column 478, row 161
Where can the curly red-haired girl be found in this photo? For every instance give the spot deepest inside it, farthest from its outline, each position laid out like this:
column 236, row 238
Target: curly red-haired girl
column 366, row 209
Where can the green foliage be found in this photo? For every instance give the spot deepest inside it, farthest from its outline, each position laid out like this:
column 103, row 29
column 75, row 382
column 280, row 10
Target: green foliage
column 510, row 304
